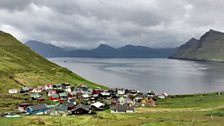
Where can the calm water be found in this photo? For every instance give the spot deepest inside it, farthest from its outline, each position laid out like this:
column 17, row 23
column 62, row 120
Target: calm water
column 159, row 75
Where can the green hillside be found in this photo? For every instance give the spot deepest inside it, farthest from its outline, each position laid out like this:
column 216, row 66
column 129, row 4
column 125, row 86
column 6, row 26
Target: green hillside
column 20, row 66
column 208, row 48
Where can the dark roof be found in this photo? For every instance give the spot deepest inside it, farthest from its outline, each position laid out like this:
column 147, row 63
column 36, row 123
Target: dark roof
column 71, row 100
column 122, row 108
column 82, row 106
column 38, row 107
column 68, row 104
column 65, row 105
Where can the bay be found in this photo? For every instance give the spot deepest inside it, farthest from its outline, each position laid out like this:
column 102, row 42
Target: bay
column 149, row 74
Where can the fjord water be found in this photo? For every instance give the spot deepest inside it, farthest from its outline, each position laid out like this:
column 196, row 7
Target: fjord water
column 149, row 74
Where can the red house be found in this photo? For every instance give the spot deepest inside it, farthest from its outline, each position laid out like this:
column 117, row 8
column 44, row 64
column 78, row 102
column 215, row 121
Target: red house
column 54, row 97
column 97, row 91
column 50, row 92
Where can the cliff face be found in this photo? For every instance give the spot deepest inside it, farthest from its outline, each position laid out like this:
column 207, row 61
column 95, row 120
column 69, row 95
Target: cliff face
column 210, row 47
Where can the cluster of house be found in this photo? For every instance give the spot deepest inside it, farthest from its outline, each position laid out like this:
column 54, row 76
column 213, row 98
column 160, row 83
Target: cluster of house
column 58, row 99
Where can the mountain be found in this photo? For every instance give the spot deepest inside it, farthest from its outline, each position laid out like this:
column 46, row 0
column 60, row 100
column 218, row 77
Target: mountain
column 46, row 50
column 20, row 66
column 128, row 51
column 102, row 51
column 210, row 47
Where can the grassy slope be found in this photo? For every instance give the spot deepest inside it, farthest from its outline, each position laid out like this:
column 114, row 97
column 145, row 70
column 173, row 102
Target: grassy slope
column 192, row 110
column 20, row 66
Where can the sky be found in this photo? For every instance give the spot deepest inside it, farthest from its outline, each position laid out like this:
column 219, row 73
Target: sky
column 88, row 23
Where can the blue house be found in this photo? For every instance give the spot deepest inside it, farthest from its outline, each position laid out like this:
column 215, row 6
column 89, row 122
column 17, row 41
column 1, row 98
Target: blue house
column 37, row 109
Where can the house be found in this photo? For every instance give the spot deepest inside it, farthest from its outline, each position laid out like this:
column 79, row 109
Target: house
column 48, row 86
column 40, row 99
column 97, row 106
column 63, row 96
column 137, row 100
column 149, row 102
column 37, row 109
column 50, row 92
column 105, row 94
column 66, row 106
column 163, row 96
column 122, row 108
column 13, row 91
column 54, row 97
column 129, row 101
column 85, row 96
column 36, row 90
column 124, row 105
column 24, row 89
column 81, row 109
column 57, row 86
column 132, row 92
column 66, row 87
column 22, row 107
column 96, row 91
column 34, row 96
column 120, row 91
column 83, row 89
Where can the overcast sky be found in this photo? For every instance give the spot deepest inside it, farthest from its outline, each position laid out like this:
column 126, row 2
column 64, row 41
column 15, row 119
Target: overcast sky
column 88, row 23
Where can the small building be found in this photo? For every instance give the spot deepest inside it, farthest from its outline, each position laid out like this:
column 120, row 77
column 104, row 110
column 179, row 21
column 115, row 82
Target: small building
column 66, row 106
column 22, row 107
column 40, row 99
column 13, row 91
column 149, row 102
column 50, row 92
column 85, row 96
column 24, row 89
column 120, row 91
column 81, row 109
column 48, row 86
column 105, row 94
column 122, row 108
column 54, row 97
column 163, row 96
column 37, row 90
column 34, row 96
column 63, row 96
column 97, row 91
column 37, row 109
column 97, row 106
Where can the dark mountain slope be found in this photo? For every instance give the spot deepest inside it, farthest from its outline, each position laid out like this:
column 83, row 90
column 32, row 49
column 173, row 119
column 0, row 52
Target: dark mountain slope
column 210, row 47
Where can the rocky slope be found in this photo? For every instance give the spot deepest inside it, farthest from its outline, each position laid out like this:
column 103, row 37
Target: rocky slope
column 210, row 47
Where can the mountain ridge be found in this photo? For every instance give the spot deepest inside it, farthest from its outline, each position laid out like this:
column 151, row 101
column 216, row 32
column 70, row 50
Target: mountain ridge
column 107, row 51
column 208, row 48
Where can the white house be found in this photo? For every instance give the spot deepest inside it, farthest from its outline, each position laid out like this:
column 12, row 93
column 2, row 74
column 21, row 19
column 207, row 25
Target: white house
column 37, row 90
column 120, row 91
column 13, row 91
column 48, row 86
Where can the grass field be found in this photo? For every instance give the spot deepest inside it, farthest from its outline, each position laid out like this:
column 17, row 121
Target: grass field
column 190, row 110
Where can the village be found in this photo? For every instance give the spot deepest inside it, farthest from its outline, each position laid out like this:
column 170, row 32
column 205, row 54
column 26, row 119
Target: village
column 62, row 99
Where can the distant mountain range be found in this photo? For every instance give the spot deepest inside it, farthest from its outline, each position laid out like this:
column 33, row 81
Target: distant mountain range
column 102, row 51
column 210, row 47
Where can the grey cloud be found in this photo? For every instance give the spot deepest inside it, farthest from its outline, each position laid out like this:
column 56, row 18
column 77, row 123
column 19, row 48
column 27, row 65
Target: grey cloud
column 87, row 23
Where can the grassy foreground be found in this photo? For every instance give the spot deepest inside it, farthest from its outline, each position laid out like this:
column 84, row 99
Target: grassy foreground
column 189, row 110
